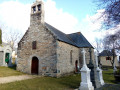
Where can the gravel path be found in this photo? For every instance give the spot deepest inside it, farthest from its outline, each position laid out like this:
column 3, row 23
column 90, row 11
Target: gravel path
column 15, row 78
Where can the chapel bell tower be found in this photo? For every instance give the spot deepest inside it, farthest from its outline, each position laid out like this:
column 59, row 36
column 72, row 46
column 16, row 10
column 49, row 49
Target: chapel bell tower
column 37, row 13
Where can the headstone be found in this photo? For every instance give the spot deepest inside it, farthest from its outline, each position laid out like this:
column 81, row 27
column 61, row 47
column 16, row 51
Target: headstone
column 85, row 84
column 99, row 77
column 92, row 68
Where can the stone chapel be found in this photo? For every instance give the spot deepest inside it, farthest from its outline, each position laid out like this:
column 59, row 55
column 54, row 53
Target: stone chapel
column 45, row 50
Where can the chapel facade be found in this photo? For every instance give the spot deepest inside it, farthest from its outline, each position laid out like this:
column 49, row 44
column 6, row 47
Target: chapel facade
column 45, row 50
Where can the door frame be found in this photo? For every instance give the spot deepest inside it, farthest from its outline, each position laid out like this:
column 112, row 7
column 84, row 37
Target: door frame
column 32, row 64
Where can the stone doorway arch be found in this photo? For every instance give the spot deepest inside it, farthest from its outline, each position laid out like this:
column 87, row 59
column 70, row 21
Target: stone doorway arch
column 34, row 65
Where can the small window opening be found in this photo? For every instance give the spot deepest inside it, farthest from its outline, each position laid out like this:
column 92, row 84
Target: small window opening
column 34, row 45
column 19, row 46
column 71, row 56
column 108, row 58
column 39, row 7
column 34, row 9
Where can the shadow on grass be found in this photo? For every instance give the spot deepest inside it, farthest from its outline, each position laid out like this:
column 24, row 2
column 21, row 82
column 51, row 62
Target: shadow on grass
column 114, row 81
column 13, row 67
column 109, row 73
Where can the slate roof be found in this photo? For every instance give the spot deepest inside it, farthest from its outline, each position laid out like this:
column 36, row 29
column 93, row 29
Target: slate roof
column 75, row 39
column 106, row 53
column 80, row 40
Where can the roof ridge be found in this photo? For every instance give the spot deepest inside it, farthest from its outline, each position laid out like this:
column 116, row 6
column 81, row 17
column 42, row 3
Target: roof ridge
column 61, row 35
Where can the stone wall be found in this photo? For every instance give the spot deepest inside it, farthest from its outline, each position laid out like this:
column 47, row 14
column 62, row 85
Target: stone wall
column 1, row 58
column 45, row 52
column 64, row 64
column 105, row 62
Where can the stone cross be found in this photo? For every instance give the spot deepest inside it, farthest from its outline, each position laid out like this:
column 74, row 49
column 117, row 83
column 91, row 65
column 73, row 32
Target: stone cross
column 99, row 81
column 84, row 61
column 96, row 59
column 85, row 84
column 92, row 68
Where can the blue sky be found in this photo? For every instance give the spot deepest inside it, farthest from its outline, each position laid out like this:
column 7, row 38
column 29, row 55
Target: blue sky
column 78, row 8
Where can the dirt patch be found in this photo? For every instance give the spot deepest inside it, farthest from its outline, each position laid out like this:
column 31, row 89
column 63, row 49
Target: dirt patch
column 16, row 78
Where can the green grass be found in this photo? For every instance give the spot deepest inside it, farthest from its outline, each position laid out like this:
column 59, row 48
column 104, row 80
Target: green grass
column 45, row 83
column 5, row 71
column 48, row 83
column 108, row 76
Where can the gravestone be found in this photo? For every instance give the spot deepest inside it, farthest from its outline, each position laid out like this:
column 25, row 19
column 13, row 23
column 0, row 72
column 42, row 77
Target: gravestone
column 85, row 84
column 92, row 68
column 99, row 76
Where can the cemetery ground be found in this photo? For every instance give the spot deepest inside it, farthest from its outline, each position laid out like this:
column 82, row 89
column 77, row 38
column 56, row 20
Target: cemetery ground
column 48, row 83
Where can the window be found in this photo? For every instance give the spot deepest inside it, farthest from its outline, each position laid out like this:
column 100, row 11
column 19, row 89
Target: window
column 19, row 46
column 108, row 58
column 34, row 9
column 71, row 56
column 39, row 7
column 34, row 45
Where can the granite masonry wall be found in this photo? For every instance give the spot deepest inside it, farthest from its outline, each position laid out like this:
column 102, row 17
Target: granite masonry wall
column 45, row 52
column 1, row 57
column 66, row 58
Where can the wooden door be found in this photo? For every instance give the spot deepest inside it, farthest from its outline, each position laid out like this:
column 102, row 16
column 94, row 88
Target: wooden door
column 35, row 66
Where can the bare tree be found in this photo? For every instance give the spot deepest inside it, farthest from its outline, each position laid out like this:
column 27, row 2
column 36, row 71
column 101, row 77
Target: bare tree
column 12, row 37
column 111, row 14
column 99, row 44
column 112, row 44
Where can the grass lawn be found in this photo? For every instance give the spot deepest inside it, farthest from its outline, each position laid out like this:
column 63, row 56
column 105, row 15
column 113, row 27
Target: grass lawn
column 49, row 83
column 5, row 71
column 108, row 77
column 45, row 83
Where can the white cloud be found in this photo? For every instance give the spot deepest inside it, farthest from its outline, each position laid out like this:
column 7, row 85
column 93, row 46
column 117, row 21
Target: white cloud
column 59, row 19
column 90, row 26
column 15, row 15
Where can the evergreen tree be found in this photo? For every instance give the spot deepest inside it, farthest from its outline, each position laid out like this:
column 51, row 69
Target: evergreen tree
column 0, row 36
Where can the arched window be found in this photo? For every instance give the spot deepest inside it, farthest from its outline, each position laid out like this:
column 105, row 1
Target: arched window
column 34, row 9
column 39, row 7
